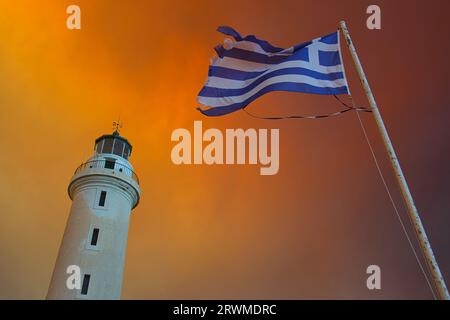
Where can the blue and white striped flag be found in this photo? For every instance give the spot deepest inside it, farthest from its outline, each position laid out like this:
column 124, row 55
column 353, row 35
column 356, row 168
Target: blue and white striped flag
column 247, row 68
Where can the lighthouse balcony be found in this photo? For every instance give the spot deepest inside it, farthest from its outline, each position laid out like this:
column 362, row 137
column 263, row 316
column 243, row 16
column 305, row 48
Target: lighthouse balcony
column 107, row 166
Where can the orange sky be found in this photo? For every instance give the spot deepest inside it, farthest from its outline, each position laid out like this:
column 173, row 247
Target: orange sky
column 222, row 231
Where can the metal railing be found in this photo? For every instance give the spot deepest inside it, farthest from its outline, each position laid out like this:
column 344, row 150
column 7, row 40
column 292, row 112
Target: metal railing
column 108, row 164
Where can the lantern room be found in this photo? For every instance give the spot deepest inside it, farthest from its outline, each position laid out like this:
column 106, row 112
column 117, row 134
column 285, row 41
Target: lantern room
column 113, row 144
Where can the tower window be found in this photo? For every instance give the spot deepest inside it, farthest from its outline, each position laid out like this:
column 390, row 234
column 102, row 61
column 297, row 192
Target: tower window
column 85, row 286
column 101, row 201
column 109, row 164
column 94, row 238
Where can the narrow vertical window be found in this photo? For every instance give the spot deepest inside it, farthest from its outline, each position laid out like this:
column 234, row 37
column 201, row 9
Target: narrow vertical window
column 94, row 238
column 101, row 201
column 85, row 287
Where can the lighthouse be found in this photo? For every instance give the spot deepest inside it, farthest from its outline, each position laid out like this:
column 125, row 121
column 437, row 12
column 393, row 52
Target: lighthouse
column 103, row 191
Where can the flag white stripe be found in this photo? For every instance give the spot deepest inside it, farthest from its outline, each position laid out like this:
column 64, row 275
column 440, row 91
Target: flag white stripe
column 222, row 83
column 225, row 101
column 249, row 66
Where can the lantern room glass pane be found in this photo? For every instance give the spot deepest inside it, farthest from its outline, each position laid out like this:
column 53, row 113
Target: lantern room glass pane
column 98, row 147
column 118, row 147
column 126, row 151
column 107, row 146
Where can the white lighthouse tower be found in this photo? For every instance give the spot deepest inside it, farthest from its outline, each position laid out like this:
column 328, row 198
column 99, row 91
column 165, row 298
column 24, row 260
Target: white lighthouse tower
column 103, row 190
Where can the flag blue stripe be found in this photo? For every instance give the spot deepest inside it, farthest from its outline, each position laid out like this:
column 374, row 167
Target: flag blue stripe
column 263, row 44
column 233, row 74
column 329, row 58
column 331, row 38
column 227, row 73
column 219, row 92
column 252, row 56
column 282, row 86
column 215, row 112
column 302, row 45
column 230, row 32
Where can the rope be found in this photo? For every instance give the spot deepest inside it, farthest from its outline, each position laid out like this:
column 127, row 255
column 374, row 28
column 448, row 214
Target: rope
column 361, row 109
column 393, row 202
column 347, row 108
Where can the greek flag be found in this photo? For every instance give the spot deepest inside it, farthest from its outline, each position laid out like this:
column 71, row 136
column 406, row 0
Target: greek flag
column 247, row 67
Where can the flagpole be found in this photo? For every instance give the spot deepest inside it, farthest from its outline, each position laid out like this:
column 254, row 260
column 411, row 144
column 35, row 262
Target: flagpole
column 412, row 210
